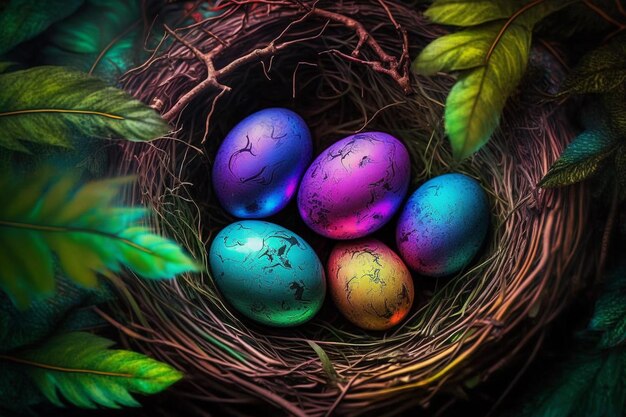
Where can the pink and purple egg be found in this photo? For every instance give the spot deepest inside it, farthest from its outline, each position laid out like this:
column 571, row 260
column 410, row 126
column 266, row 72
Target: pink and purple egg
column 355, row 186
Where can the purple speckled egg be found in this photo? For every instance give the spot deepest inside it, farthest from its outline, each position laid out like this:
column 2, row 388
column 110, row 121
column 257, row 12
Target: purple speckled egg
column 355, row 186
column 260, row 163
column 443, row 225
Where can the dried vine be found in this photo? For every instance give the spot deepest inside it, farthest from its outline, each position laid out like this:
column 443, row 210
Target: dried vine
column 396, row 68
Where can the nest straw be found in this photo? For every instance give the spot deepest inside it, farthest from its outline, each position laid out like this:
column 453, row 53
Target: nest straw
column 463, row 327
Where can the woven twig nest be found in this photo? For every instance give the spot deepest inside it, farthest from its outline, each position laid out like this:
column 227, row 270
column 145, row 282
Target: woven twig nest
column 462, row 327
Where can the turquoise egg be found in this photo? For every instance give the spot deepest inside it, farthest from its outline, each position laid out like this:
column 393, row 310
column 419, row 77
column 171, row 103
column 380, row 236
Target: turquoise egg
column 267, row 273
column 443, row 225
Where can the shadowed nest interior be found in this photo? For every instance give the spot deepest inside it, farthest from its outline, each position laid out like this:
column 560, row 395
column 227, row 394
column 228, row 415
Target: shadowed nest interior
column 206, row 77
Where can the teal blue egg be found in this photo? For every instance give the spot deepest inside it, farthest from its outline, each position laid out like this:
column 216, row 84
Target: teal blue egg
column 267, row 273
column 443, row 225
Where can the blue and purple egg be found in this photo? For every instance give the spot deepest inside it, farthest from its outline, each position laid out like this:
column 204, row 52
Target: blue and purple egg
column 259, row 164
column 443, row 225
column 355, row 186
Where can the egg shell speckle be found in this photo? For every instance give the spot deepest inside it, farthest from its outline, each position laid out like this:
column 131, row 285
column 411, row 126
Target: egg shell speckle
column 370, row 284
column 355, row 186
column 259, row 164
column 267, row 273
column 443, row 225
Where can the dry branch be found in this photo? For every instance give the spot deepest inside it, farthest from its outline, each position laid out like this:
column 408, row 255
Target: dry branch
column 396, row 68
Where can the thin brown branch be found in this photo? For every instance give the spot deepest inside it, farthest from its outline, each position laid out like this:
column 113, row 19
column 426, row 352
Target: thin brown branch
column 388, row 11
column 508, row 23
column 604, row 15
column 398, row 69
column 620, row 7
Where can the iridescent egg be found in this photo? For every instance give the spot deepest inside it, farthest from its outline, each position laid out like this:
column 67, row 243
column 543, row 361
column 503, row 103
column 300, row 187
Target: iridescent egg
column 355, row 186
column 267, row 273
column 370, row 284
column 260, row 163
column 443, row 225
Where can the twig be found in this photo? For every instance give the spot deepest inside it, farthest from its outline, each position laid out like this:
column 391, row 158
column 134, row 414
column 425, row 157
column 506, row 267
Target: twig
column 398, row 69
column 602, row 14
column 620, row 7
column 508, row 23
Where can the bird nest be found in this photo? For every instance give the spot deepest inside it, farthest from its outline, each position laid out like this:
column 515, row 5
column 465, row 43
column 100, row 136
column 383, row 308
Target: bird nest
column 344, row 67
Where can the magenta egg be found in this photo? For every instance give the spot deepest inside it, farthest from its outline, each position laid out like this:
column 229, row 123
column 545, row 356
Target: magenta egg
column 260, row 162
column 355, row 186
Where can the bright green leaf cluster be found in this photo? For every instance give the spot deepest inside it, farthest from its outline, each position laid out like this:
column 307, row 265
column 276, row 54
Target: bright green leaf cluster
column 491, row 56
column 87, row 374
column 48, row 105
column 85, row 230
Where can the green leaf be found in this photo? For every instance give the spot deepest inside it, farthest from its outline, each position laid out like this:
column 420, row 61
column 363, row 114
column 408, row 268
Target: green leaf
column 104, row 38
column 23, row 327
column 475, row 12
column 467, row 12
column 615, row 104
column 492, row 57
column 465, row 49
column 587, row 383
column 83, row 227
column 581, row 159
column 590, row 379
column 327, row 364
column 81, row 368
column 48, row 104
column 21, row 20
column 6, row 66
column 610, row 311
column 600, row 71
column 475, row 102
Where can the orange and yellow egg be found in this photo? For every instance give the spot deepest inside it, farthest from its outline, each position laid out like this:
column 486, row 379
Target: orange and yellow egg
column 370, row 284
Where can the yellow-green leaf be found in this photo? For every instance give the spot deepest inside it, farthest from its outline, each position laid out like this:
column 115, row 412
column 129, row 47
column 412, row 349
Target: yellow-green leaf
column 474, row 104
column 469, row 12
column 48, row 105
column 327, row 364
column 475, row 12
column 48, row 214
column 457, row 51
column 81, row 367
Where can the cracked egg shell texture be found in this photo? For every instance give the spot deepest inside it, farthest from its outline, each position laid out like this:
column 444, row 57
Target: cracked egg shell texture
column 443, row 225
column 259, row 164
column 267, row 273
column 355, row 186
column 370, row 284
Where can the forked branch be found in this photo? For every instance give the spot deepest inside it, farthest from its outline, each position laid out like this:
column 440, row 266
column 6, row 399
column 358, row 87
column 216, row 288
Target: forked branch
column 396, row 68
